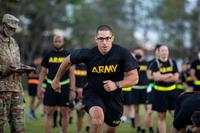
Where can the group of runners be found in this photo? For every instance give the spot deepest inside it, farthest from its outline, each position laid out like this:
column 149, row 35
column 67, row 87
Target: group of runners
column 111, row 83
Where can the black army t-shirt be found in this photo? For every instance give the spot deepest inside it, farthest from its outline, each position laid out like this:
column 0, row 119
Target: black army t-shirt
column 143, row 80
column 52, row 61
column 186, row 78
column 80, row 75
column 164, row 68
column 111, row 66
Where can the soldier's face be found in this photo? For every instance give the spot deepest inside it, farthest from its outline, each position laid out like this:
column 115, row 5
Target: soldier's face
column 139, row 54
column 8, row 31
column 104, row 40
column 164, row 52
column 58, row 42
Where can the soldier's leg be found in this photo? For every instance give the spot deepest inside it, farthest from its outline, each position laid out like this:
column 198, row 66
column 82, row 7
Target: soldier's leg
column 65, row 118
column 17, row 113
column 2, row 112
column 49, row 110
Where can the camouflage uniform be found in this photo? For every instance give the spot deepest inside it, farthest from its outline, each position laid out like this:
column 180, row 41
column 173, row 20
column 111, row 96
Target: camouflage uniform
column 11, row 91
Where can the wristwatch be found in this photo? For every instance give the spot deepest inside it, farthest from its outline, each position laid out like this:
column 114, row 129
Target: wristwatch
column 117, row 84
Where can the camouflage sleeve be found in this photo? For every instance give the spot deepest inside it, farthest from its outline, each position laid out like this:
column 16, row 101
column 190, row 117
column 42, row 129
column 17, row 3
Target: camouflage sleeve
column 3, row 71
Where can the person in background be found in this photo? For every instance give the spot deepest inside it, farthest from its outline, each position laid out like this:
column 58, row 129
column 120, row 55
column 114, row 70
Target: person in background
column 52, row 99
column 195, row 72
column 148, row 116
column 139, row 91
column 33, row 80
column 165, row 75
column 11, row 70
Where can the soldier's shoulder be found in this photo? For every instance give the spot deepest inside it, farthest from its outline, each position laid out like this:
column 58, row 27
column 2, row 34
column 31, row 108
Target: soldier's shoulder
column 13, row 41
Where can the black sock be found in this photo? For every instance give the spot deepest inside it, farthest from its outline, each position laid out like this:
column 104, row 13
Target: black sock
column 138, row 129
column 133, row 122
column 151, row 129
column 142, row 130
column 70, row 120
column 87, row 128
column 55, row 118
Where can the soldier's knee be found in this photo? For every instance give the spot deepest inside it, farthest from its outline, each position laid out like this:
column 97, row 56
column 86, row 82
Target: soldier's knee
column 49, row 113
column 2, row 123
column 17, row 125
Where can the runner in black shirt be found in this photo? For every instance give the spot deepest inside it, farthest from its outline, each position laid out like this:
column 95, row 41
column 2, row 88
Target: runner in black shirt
column 106, row 65
column 52, row 99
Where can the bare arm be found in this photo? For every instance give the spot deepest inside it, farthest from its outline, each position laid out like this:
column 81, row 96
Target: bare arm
column 149, row 75
column 130, row 79
column 72, row 78
column 66, row 64
column 72, row 83
column 174, row 78
column 42, row 76
column 161, row 77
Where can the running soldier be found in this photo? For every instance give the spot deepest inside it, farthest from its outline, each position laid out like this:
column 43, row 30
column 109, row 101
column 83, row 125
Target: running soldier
column 106, row 64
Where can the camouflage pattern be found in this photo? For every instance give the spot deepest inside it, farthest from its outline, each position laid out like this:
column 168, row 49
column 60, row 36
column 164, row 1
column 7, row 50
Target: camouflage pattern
column 9, row 56
column 12, row 110
column 10, row 20
column 11, row 91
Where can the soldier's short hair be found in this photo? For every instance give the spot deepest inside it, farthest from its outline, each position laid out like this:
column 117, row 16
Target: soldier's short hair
column 103, row 28
column 58, row 36
column 10, row 20
column 157, row 46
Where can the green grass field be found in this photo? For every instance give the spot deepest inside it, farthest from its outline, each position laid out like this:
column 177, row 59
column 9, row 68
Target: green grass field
column 37, row 126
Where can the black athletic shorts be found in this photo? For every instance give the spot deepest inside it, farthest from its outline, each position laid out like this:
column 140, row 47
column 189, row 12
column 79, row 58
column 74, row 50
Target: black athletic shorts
column 139, row 96
column 150, row 97
column 32, row 89
column 164, row 100
column 127, row 96
column 52, row 98
column 112, row 106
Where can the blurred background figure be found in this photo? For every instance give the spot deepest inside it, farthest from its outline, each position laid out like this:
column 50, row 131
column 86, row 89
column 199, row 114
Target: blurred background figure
column 165, row 75
column 139, row 91
column 195, row 72
column 54, row 100
column 33, row 81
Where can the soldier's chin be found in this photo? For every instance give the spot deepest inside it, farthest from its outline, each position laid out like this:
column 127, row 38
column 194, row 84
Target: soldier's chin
column 105, row 51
